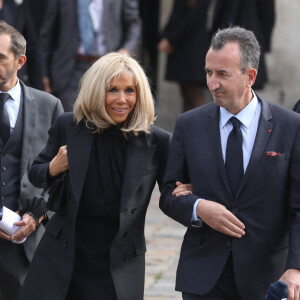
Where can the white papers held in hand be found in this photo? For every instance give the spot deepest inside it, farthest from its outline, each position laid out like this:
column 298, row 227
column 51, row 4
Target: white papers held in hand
column 7, row 223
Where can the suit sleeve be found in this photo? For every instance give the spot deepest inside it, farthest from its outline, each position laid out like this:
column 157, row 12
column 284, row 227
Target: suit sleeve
column 296, row 107
column 48, row 34
column 38, row 173
column 178, row 208
column 36, row 204
column 132, row 25
column 294, row 206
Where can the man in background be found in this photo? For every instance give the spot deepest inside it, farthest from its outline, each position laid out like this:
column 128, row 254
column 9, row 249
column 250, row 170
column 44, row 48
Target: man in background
column 75, row 33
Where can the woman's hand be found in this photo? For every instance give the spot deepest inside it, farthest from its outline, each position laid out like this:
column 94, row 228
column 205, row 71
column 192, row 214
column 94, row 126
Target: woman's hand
column 182, row 189
column 59, row 163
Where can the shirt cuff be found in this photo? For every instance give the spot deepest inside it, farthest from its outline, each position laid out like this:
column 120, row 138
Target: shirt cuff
column 196, row 222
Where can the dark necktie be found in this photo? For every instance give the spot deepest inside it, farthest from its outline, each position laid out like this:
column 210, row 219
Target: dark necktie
column 234, row 156
column 4, row 118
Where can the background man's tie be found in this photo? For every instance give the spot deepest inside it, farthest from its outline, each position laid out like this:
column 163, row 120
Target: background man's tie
column 234, row 156
column 4, row 118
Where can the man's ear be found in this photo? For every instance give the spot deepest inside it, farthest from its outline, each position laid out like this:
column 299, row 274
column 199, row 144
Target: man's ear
column 21, row 61
column 251, row 73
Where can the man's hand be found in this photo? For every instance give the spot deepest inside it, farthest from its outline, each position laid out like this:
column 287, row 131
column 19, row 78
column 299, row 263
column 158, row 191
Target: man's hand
column 124, row 51
column 165, row 46
column 182, row 189
column 28, row 225
column 218, row 217
column 59, row 163
column 4, row 236
column 292, row 278
column 46, row 84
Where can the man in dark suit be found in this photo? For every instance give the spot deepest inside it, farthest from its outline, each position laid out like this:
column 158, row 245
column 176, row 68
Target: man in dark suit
column 242, row 156
column 26, row 115
column 115, row 26
column 20, row 16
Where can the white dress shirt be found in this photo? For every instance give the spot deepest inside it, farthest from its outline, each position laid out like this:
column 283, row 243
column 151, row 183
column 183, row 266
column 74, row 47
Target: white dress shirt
column 249, row 118
column 12, row 105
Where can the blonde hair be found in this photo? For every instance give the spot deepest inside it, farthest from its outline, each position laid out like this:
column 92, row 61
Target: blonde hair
column 90, row 103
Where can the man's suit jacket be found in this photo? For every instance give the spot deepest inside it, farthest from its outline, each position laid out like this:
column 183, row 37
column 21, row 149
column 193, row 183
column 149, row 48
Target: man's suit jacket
column 268, row 201
column 22, row 20
column 40, row 112
column 296, row 107
column 60, row 38
column 145, row 162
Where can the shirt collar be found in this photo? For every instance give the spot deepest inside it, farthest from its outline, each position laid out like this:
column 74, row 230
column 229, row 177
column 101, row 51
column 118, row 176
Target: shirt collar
column 15, row 92
column 245, row 116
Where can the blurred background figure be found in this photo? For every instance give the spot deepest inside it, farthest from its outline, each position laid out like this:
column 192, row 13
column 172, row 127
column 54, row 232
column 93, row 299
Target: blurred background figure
column 38, row 10
column 75, row 33
column 255, row 15
column 18, row 14
column 185, row 39
column 150, row 14
column 296, row 107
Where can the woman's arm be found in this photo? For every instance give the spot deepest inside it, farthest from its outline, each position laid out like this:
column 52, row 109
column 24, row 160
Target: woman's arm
column 39, row 174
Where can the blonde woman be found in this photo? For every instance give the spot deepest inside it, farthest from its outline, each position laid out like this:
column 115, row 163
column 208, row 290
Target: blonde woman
column 94, row 246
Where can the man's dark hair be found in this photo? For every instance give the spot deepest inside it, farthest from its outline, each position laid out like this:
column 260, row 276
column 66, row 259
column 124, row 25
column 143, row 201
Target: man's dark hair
column 249, row 46
column 18, row 42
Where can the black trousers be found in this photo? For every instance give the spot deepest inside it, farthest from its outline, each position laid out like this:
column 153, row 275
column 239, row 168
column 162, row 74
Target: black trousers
column 225, row 288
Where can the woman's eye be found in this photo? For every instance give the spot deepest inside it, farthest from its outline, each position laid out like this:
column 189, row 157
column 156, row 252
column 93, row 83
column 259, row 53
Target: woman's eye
column 129, row 90
column 112, row 90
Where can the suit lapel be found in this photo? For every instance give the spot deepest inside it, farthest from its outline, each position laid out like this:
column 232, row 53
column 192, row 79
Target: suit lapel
column 138, row 157
column 213, row 129
column 29, row 123
column 264, row 131
column 79, row 146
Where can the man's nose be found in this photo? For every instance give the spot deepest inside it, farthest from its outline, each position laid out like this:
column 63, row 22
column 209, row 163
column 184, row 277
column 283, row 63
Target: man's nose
column 213, row 83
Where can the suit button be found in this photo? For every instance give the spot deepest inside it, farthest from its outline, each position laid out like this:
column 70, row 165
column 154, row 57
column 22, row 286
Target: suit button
column 133, row 210
column 65, row 244
column 234, row 211
column 228, row 243
column 3, row 183
column 4, row 168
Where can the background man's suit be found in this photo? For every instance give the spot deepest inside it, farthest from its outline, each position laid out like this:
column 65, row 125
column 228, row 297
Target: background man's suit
column 20, row 16
column 268, row 201
column 39, row 110
column 60, row 37
column 296, row 107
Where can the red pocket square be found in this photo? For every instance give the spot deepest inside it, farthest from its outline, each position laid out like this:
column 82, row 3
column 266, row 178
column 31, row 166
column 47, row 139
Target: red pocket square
column 272, row 153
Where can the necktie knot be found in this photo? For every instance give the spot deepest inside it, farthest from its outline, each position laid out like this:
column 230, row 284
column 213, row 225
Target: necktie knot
column 235, row 122
column 4, row 97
